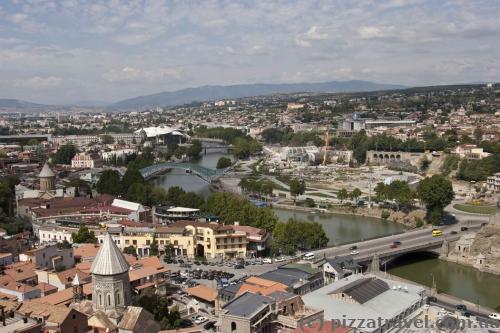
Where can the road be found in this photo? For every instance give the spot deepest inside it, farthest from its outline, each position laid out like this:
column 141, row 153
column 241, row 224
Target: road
column 408, row 239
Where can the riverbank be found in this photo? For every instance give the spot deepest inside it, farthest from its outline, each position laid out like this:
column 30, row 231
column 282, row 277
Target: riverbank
column 479, row 250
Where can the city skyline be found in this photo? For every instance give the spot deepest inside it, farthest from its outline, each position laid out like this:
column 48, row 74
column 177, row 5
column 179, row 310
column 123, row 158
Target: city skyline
column 68, row 51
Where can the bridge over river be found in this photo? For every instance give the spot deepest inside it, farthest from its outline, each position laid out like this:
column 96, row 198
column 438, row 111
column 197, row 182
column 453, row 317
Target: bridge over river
column 207, row 174
column 378, row 252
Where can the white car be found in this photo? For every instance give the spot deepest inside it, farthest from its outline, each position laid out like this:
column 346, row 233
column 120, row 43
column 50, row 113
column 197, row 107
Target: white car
column 353, row 252
column 494, row 316
column 200, row 320
column 267, row 261
column 280, row 259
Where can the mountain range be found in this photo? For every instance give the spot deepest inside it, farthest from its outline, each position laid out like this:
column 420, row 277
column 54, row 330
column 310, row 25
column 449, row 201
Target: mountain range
column 209, row 93
column 216, row 92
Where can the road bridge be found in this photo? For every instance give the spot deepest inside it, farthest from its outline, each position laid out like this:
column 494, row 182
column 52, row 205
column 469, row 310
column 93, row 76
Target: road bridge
column 380, row 249
column 207, row 174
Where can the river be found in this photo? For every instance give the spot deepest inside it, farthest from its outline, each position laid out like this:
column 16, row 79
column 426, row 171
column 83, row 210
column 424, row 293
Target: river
column 341, row 228
column 458, row 280
column 453, row 279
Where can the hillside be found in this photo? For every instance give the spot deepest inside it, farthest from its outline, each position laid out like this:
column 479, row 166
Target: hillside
column 207, row 93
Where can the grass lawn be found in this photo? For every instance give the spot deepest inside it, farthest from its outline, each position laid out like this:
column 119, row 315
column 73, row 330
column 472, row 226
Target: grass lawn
column 476, row 209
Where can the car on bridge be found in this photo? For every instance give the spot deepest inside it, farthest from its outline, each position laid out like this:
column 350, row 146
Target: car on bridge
column 437, row 233
column 354, row 252
column 354, row 247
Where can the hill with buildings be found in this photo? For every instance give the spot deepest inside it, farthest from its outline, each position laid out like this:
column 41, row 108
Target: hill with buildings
column 207, row 93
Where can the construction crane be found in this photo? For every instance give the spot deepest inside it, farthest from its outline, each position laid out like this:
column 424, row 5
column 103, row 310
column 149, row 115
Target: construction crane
column 325, row 147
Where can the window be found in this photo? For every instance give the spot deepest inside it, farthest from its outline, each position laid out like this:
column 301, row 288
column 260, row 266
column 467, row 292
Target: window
column 162, row 242
column 73, row 316
column 148, row 242
column 233, row 326
column 100, row 299
column 109, row 299
column 126, row 242
column 134, row 242
column 117, row 298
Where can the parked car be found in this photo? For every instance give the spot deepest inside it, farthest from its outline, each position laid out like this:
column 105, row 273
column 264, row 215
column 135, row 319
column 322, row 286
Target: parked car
column 239, row 266
column 280, row 259
column 464, row 229
column 461, row 307
column 199, row 320
column 209, row 326
column 267, row 261
column 453, row 232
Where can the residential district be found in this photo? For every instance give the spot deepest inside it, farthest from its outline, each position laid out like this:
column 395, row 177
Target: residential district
column 97, row 236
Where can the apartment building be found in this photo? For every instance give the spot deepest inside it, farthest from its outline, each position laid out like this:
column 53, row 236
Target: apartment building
column 86, row 161
column 493, row 182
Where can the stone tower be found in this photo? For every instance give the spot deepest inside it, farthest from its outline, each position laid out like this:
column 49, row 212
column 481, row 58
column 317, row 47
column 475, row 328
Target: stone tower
column 110, row 282
column 77, row 289
column 47, row 179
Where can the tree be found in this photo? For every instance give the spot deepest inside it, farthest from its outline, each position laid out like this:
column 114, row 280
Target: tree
column 294, row 234
column 342, row 194
column 64, row 245
column 223, row 162
column 309, row 202
column 153, row 248
column 436, row 193
column 84, row 236
column 33, row 142
column 297, row 187
column 424, row 163
column 65, row 154
column 355, row 194
column 130, row 250
column 107, row 139
column 195, row 149
column 478, row 134
column 131, row 177
column 109, row 183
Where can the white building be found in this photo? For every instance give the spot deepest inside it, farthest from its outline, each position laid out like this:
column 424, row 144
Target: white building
column 49, row 234
column 84, row 160
column 493, row 182
column 136, row 209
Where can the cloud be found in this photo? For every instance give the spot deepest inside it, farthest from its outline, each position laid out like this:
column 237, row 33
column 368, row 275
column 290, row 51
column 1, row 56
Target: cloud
column 38, row 83
column 314, row 33
column 131, row 74
column 370, row 32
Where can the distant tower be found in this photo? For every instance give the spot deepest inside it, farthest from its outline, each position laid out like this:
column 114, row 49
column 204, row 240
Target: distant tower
column 47, row 179
column 77, row 289
column 110, row 282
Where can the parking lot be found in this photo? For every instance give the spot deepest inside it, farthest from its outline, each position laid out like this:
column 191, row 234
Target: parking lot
column 252, row 267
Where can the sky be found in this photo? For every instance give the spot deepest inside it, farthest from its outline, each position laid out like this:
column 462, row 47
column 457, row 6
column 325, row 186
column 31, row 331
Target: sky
column 67, row 51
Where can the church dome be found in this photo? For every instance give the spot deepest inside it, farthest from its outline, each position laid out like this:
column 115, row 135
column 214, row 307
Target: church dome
column 109, row 259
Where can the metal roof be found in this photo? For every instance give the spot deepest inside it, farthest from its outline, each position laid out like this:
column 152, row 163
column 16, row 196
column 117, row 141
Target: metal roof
column 46, row 172
column 109, row 259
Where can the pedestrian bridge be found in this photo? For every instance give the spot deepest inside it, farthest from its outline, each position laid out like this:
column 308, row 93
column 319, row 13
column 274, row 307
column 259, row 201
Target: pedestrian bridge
column 207, row 174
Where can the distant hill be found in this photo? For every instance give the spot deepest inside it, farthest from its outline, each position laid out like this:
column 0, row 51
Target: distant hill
column 18, row 104
column 207, row 93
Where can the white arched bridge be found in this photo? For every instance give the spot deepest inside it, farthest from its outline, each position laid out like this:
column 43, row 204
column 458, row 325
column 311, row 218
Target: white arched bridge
column 207, row 174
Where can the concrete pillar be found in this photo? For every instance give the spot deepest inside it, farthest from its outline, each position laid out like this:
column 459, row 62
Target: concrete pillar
column 445, row 249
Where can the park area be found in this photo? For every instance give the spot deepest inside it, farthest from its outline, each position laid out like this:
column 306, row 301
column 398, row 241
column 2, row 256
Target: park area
column 476, row 207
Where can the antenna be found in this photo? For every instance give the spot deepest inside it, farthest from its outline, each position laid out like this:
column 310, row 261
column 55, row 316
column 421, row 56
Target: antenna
column 325, row 147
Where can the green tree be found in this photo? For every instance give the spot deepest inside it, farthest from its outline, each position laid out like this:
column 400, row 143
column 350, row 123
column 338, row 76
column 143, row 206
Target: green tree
column 131, row 176
column 297, row 187
column 355, row 194
column 84, row 235
column 130, row 250
column 223, row 162
column 153, row 248
column 195, row 149
column 309, row 202
column 65, row 154
column 107, row 139
column 436, row 193
column 478, row 134
column 342, row 195
column 109, row 183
